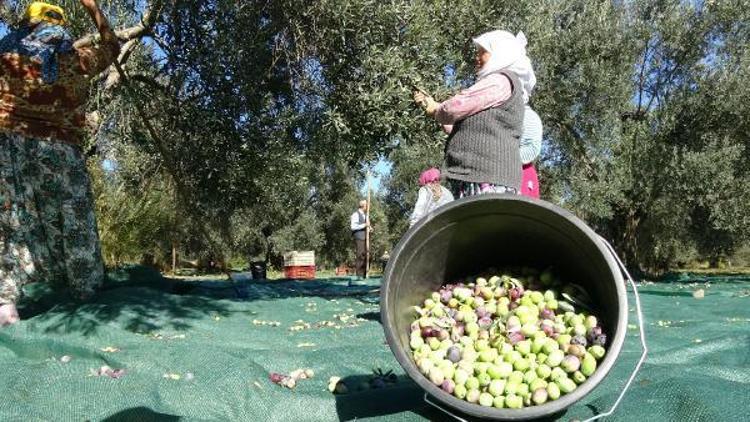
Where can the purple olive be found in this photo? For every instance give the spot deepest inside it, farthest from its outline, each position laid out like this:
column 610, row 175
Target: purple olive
column 514, row 337
column 547, row 314
column 600, row 340
column 593, row 333
column 118, row 373
column 579, row 340
column 429, row 332
column 515, row 293
column 446, row 295
column 481, row 312
column 454, row 354
column 512, row 326
column 485, row 322
column 448, row 386
column 548, row 327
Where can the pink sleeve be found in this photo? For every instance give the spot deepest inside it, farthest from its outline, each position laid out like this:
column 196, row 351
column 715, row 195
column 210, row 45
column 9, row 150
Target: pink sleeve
column 447, row 129
column 489, row 92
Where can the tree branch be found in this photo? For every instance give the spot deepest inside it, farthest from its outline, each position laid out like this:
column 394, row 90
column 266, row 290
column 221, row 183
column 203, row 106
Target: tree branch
column 578, row 145
column 641, row 77
column 148, row 80
column 113, row 78
column 147, row 23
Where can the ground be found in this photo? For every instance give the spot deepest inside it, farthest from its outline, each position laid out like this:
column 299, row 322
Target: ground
column 202, row 350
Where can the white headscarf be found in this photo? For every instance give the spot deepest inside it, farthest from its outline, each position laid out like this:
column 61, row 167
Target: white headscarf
column 507, row 52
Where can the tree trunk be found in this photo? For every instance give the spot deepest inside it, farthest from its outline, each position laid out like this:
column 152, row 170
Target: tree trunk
column 174, row 259
column 628, row 244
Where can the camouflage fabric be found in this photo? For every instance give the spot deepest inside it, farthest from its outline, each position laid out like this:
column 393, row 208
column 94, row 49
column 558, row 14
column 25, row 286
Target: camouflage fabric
column 47, row 223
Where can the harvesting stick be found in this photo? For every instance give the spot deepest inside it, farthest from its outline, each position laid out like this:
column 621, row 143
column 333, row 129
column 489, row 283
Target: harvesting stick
column 367, row 230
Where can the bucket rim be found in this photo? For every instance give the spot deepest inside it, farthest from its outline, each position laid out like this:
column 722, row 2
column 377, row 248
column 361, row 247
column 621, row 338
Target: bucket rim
column 531, row 412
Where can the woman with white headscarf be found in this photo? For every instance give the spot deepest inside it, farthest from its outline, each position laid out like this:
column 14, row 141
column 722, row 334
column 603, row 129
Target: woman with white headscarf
column 486, row 120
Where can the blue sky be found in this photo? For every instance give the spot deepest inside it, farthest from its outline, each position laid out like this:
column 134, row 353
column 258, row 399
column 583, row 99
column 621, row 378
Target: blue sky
column 381, row 169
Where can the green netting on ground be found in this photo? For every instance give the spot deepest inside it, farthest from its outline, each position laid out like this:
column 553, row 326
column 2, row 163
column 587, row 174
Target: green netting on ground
column 698, row 368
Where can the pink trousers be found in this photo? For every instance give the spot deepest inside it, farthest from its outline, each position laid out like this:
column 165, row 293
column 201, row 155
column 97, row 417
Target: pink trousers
column 529, row 181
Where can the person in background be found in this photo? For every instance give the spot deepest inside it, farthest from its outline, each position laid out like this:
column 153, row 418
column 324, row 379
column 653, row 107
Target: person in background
column 531, row 139
column 531, row 147
column 384, row 260
column 485, row 121
column 359, row 223
column 431, row 195
column 47, row 224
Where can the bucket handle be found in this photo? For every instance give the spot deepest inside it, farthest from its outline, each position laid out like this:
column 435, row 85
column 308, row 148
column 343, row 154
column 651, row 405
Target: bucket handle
column 639, row 313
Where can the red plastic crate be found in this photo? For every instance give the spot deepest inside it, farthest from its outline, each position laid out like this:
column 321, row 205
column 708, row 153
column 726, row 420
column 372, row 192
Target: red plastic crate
column 343, row 270
column 300, row 272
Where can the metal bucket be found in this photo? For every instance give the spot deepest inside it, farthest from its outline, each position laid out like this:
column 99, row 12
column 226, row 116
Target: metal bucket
column 258, row 270
column 474, row 234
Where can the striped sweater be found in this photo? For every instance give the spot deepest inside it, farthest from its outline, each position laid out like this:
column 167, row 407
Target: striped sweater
column 531, row 139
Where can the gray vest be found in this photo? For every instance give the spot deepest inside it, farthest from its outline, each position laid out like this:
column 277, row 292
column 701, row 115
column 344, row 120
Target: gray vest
column 360, row 234
column 485, row 147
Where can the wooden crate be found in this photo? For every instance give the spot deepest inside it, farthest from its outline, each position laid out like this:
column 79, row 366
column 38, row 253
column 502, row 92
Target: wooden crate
column 299, row 259
column 300, row 272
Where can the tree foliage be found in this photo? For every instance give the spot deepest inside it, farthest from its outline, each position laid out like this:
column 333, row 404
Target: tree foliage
column 267, row 113
column 645, row 115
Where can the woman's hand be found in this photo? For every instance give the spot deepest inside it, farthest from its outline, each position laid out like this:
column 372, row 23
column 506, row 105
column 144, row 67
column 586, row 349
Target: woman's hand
column 89, row 4
column 426, row 102
column 108, row 37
